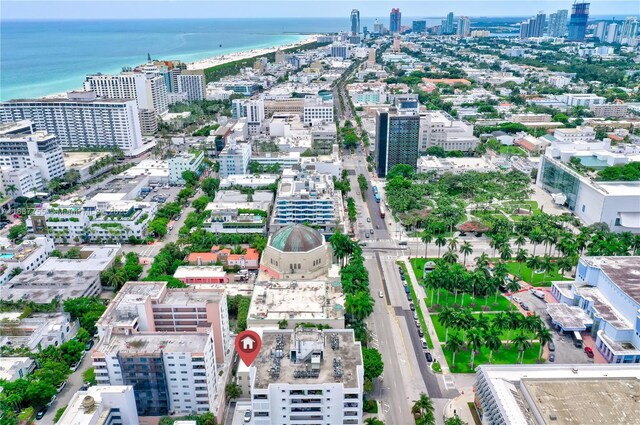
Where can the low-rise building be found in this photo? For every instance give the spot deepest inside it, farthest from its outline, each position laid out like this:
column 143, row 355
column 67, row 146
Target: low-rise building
column 92, row 221
column 248, row 260
column 307, row 198
column 609, row 110
column 320, row 373
column 584, row 133
column 367, row 93
column 318, row 302
column 606, row 289
column 172, row 345
column 101, row 405
column 556, row 393
column 89, row 164
column 193, row 275
column 438, row 128
column 231, row 212
column 234, row 159
column 583, row 99
column 27, row 256
column 454, row 165
column 37, row 330
column 12, row 368
column 184, row 162
column 252, row 181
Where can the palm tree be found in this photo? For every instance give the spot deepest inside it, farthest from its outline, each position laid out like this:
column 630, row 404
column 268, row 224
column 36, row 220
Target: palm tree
column 427, row 238
column 520, row 240
column 440, row 242
column 474, row 340
column 482, row 261
column 505, row 253
column 515, row 320
column 535, row 237
column 12, row 189
column 521, row 257
column 532, row 323
column 565, row 264
column 373, row 421
column 544, row 336
column 466, row 249
column 492, row 340
column 500, row 321
column 450, row 256
column 534, row 264
column 447, row 318
column 453, row 243
column 521, row 342
column 359, row 305
column 547, row 266
column 454, row 344
column 423, row 410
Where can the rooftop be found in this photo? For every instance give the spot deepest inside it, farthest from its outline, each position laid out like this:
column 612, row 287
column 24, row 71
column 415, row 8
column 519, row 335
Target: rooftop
column 305, row 301
column 42, row 286
column 569, row 317
column 184, row 342
column 86, row 407
column 296, row 238
column 624, row 272
column 308, row 358
column 184, row 272
column 93, row 258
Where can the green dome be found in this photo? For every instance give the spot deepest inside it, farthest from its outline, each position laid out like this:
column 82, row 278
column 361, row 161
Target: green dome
column 296, row 238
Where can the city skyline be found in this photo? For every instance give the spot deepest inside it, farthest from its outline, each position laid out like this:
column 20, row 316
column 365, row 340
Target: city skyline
column 193, row 9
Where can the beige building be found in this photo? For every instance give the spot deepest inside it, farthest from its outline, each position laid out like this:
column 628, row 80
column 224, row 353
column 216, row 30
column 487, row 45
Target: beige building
column 609, row 110
column 296, row 252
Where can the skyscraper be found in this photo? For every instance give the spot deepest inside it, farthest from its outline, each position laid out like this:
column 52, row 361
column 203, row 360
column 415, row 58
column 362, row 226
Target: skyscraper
column 600, row 30
column 419, row 26
column 447, row 24
column 355, row 22
column 578, row 21
column 395, row 20
column 612, row 33
column 534, row 27
column 558, row 23
column 629, row 30
column 397, row 140
column 463, row 26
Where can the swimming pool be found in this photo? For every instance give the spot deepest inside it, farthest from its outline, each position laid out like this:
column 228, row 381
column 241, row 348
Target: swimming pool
column 6, row 255
column 593, row 162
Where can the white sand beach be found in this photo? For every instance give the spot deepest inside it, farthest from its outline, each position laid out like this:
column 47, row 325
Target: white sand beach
column 219, row 60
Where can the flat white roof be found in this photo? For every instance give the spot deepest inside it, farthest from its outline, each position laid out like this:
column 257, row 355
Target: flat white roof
column 184, row 272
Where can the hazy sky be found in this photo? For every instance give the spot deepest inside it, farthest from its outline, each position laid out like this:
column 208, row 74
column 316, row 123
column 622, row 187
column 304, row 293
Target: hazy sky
column 123, row 9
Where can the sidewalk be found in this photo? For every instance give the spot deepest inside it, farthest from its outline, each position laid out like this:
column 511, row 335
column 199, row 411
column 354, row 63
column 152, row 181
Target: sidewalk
column 459, row 406
column 421, row 294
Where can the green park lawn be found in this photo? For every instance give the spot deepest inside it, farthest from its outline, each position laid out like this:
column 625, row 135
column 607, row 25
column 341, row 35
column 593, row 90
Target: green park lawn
column 448, row 299
column 512, row 150
column 525, row 274
column 502, row 356
column 441, row 331
column 414, row 297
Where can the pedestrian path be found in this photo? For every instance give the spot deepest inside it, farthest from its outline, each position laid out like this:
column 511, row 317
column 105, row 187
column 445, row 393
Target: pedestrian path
column 421, row 295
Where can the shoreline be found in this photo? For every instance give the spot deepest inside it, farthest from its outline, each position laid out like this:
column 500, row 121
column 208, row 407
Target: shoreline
column 246, row 54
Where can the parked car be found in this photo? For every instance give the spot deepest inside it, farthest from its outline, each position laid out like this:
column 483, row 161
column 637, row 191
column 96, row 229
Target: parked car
column 524, row 307
column 552, row 346
column 366, row 235
column 552, row 357
column 61, row 386
column 381, row 294
column 76, row 365
column 428, row 356
column 41, row 413
column 88, row 345
column 368, row 219
column 415, row 315
column 589, row 352
column 420, row 333
column 247, row 416
column 412, row 307
column 408, row 297
column 406, row 289
column 371, row 231
column 424, row 343
column 516, row 299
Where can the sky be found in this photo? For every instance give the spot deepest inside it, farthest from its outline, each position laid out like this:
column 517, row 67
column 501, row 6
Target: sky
column 166, row 9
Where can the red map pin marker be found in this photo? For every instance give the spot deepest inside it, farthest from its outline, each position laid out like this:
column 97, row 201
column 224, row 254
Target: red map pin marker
column 248, row 346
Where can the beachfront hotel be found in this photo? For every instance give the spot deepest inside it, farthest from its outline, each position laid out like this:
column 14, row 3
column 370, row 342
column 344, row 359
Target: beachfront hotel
column 81, row 120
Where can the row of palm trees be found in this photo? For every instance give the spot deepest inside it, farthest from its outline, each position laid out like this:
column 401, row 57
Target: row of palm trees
column 481, row 331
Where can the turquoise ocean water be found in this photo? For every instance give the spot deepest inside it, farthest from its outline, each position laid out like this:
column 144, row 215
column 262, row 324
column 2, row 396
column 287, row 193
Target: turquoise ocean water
column 41, row 58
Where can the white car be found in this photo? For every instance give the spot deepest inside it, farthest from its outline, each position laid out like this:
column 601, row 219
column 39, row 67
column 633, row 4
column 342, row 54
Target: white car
column 516, row 299
column 381, row 294
column 247, row 416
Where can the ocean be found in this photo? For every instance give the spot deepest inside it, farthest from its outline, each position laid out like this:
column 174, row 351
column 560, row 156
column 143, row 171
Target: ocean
column 47, row 57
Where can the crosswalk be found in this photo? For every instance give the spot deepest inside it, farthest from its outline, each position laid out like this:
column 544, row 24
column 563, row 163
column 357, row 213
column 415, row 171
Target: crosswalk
column 449, row 384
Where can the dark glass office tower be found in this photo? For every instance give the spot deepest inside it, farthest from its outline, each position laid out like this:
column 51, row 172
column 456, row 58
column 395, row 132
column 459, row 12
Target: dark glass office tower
column 397, row 140
column 395, row 20
column 578, row 21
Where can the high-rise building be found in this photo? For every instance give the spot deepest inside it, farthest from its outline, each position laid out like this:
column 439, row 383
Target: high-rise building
column 192, row 83
column 82, row 120
column 234, row 159
column 600, row 31
column 534, row 27
column 395, row 20
column 39, row 150
column 578, row 21
column 558, row 23
column 355, row 22
column 629, row 30
column 442, row 130
column 397, row 140
column 307, row 376
column 378, row 27
column 149, row 91
column 463, row 29
column 612, row 33
column 447, row 24
column 419, row 26
column 172, row 345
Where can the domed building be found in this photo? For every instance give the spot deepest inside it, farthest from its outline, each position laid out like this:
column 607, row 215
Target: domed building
column 296, row 252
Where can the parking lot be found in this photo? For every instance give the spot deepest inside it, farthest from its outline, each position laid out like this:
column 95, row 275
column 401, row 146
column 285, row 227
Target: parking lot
column 565, row 351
